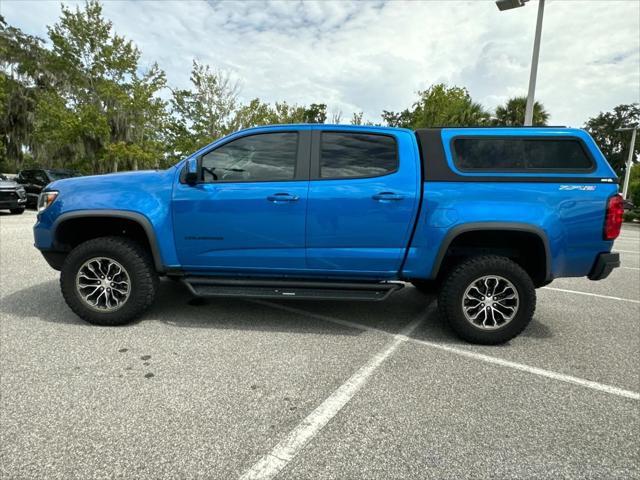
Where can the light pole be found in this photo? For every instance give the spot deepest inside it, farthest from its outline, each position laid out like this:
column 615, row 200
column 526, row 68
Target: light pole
column 508, row 5
column 627, row 171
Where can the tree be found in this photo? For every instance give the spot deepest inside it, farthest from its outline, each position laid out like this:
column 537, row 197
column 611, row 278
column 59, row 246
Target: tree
column 146, row 114
column 22, row 76
column 634, row 185
column 205, row 112
column 93, row 66
column 315, row 113
column 512, row 113
column 403, row 119
column 439, row 106
column 613, row 144
column 257, row 112
column 336, row 117
column 356, row 118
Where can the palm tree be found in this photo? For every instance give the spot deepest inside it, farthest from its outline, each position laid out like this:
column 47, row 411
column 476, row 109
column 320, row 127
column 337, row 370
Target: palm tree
column 512, row 114
column 471, row 114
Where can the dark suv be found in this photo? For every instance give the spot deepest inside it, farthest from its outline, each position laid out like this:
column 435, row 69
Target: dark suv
column 12, row 196
column 36, row 179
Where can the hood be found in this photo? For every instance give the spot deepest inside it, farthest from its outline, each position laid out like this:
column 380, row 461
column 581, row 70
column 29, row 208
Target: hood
column 136, row 179
column 8, row 184
column 147, row 192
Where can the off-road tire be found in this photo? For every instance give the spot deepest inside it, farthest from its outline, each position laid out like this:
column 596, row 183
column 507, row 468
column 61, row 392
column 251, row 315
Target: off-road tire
column 137, row 262
column 450, row 298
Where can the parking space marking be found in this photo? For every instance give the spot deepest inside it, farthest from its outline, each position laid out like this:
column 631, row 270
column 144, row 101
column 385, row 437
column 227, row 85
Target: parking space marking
column 535, row 370
column 523, row 367
column 286, row 450
column 620, row 299
column 631, row 268
column 635, row 252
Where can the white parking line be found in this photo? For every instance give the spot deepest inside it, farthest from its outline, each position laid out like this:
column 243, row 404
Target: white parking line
column 591, row 294
column 631, row 268
column 535, row 370
column 286, row 450
column 601, row 387
column 635, row 252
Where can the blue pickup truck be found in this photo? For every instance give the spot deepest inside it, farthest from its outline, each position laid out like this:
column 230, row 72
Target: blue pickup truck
column 482, row 216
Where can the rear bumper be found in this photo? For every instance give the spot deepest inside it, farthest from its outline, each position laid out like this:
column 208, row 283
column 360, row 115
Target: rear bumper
column 604, row 264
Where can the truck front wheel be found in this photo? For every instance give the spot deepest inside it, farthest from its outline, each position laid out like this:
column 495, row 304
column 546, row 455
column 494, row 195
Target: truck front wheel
column 108, row 280
column 487, row 299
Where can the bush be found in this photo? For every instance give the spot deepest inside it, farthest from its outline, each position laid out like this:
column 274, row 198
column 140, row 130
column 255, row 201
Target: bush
column 634, row 185
column 632, row 215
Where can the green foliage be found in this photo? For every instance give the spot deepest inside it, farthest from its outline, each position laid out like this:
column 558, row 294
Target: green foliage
column 356, row 119
column 22, row 76
column 439, row 106
column 634, row 185
column 83, row 101
column 613, row 144
column 632, row 215
column 206, row 111
column 512, row 113
column 210, row 109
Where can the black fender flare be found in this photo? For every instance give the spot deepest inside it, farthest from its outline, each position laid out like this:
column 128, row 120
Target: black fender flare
column 125, row 214
column 493, row 226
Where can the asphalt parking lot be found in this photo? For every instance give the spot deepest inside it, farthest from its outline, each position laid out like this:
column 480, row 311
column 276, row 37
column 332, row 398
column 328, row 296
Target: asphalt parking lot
column 247, row 389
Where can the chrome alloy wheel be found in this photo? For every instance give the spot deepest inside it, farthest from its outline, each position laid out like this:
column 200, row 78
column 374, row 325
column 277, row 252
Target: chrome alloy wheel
column 103, row 284
column 490, row 302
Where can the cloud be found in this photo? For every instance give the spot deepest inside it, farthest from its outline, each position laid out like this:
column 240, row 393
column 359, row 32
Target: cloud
column 374, row 56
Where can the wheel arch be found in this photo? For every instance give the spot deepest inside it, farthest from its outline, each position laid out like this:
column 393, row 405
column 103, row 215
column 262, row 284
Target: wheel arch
column 458, row 231
column 137, row 218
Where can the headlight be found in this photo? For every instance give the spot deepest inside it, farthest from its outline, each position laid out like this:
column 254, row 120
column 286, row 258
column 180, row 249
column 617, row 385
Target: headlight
column 21, row 192
column 45, row 199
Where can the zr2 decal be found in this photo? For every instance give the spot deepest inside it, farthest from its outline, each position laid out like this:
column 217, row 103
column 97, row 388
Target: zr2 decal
column 584, row 188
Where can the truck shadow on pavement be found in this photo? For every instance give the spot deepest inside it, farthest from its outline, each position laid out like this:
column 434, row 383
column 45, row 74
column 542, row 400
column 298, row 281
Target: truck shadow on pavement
column 175, row 306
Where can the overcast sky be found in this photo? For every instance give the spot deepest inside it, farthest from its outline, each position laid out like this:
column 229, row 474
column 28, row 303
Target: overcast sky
column 374, row 56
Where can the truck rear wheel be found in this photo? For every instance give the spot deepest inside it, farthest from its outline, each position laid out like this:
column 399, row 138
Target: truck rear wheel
column 487, row 299
column 108, row 280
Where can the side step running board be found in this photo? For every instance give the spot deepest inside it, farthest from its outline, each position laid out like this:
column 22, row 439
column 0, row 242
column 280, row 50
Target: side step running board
column 259, row 288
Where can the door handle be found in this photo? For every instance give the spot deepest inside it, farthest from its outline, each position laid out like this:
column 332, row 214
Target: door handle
column 282, row 198
column 387, row 197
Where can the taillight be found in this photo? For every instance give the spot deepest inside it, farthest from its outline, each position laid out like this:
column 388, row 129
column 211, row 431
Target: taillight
column 613, row 220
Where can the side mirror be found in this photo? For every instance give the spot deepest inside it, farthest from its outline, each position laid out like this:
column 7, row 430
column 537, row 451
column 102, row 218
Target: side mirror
column 191, row 177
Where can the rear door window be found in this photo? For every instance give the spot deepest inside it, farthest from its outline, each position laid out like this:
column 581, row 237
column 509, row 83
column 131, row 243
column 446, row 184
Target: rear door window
column 354, row 155
column 520, row 154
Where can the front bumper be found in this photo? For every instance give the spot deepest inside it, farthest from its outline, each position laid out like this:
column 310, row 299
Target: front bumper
column 13, row 203
column 54, row 259
column 603, row 266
